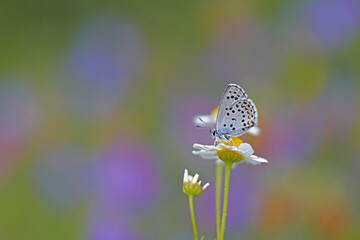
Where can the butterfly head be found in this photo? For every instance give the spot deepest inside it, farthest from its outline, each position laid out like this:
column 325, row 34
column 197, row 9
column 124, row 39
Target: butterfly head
column 213, row 133
column 219, row 137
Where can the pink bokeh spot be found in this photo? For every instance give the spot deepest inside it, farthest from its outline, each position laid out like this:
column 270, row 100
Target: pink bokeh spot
column 20, row 116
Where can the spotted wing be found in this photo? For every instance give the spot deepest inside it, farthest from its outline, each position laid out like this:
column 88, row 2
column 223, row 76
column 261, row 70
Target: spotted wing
column 237, row 113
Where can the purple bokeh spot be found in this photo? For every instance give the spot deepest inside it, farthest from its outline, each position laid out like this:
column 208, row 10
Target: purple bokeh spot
column 294, row 134
column 107, row 55
column 334, row 21
column 103, row 229
column 107, row 52
column 128, row 178
column 128, row 182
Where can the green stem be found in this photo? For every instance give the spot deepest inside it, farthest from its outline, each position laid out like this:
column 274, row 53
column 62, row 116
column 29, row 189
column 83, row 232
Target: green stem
column 228, row 166
column 218, row 183
column 191, row 204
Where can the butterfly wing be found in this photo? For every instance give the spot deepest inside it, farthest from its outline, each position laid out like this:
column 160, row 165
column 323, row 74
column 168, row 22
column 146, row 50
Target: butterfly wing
column 237, row 113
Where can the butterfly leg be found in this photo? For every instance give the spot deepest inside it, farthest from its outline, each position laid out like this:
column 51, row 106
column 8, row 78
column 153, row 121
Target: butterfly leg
column 231, row 141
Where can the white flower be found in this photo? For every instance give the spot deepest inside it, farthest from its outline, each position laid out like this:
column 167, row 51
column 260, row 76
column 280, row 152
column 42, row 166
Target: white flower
column 191, row 185
column 234, row 151
column 209, row 121
column 255, row 131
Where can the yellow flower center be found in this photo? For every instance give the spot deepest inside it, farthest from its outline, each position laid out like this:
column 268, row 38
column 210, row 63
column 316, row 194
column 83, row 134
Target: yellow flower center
column 190, row 188
column 235, row 141
column 230, row 155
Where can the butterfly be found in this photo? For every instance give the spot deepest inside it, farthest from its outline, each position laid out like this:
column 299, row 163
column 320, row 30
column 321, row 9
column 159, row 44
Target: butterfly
column 237, row 114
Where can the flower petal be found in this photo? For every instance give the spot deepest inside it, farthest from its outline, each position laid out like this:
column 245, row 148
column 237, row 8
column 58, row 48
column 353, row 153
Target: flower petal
column 199, row 146
column 185, row 175
column 254, row 160
column 254, row 131
column 245, row 149
column 222, row 146
column 206, row 185
column 196, row 177
column 206, row 121
column 204, row 147
column 205, row 154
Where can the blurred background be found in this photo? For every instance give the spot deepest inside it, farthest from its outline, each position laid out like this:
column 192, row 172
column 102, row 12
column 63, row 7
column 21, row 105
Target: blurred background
column 96, row 107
